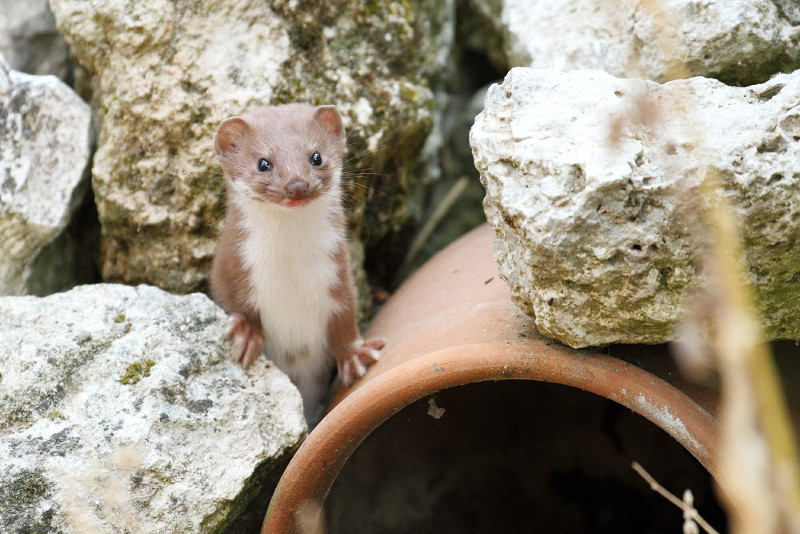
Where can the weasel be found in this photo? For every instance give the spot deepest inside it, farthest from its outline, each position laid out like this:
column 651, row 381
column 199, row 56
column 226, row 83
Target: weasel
column 282, row 265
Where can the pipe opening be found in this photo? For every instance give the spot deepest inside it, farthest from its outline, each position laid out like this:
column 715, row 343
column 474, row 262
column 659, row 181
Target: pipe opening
column 516, row 456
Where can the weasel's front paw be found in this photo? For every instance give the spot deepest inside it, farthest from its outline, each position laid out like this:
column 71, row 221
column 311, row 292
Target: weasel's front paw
column 248, row 340
column 364, row 353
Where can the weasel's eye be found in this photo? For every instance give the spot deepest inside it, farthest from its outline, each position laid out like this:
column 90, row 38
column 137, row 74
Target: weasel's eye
column 264, row 165
column 316, row 159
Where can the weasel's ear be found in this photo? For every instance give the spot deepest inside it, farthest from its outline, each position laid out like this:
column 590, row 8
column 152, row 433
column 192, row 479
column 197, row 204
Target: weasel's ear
column 328, row 118
column 229, row 135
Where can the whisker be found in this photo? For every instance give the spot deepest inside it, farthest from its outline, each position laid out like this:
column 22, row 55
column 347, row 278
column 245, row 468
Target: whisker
column 363, row 153
column 363, row 173
column 366, row 188
column 353, row 202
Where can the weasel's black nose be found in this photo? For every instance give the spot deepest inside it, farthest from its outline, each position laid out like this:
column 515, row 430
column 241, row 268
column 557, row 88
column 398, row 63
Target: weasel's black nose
column 296, row 189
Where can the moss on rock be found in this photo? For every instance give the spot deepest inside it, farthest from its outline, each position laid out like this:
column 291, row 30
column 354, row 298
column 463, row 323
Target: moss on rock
column 135, row 372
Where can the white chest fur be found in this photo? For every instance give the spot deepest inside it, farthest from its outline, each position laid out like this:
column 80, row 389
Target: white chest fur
column 290, row 255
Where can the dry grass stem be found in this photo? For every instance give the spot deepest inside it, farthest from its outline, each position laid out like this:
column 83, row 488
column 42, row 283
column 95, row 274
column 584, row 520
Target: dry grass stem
column 690, row 513
column 430, row 225
column 310, row 518
column 758, row 456
column 758, row 464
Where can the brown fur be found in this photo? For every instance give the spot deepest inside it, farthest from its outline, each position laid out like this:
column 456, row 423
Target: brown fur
column 342, row 328
column 230, row 286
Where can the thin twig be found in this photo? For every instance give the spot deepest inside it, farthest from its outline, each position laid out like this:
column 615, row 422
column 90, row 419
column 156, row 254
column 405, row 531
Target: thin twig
column 661, row 490
column 433, row 221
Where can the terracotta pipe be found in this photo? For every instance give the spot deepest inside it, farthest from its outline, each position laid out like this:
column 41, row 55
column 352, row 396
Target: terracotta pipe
column 452, row 324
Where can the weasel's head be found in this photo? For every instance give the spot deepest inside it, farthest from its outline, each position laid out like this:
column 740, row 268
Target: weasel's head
column 286, row 155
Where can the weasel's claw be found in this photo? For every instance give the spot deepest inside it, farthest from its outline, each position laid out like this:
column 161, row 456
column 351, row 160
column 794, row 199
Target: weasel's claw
column 254, row 346
column 376, row 343
column 248, row 341
column 365, row 353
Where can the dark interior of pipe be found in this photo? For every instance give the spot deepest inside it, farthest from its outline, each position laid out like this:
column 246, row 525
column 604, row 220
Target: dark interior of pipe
column 516, row 457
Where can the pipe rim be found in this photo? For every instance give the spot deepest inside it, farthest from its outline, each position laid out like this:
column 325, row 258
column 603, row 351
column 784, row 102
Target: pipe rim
column 327, row 448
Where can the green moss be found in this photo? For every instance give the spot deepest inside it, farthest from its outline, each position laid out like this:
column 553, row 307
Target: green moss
column 409, row 93
column 136, row 371
column 374, row 7
column 161, row 475
column 21, row 496
column 27, row 488
column 750, row 69
column 55, row 415
column 119, row 318
column 18, row 416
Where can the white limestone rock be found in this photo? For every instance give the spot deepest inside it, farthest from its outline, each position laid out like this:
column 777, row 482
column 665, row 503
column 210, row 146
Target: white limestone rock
column 120, row 411
column 737, row 41
column 45, row 149
column 166, row 73
column 589, row 207
column 30, row 41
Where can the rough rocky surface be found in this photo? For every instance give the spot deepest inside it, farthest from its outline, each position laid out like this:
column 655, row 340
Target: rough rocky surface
column 30, row 41
column 121, row 412
column 45, row 146
column 737, row 41
column 167, row 73
column 589, row 204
